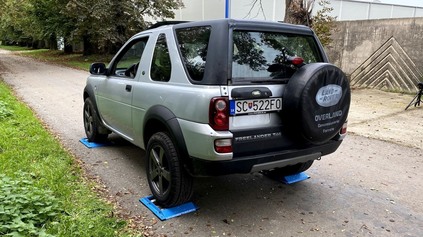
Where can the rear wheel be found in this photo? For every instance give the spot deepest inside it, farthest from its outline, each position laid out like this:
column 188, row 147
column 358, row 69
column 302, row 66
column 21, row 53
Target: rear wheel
column 92, row 123
column 170, row 184
column 279, row 173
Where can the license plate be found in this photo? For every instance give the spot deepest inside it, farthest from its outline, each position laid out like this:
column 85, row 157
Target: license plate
column 254, row 106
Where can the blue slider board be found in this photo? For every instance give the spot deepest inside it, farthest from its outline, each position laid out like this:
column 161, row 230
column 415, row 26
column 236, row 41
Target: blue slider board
column 94, row 144
column 167, row 213
column 290, row 179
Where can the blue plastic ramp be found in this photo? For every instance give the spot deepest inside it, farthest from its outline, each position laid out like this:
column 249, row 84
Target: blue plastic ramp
column 290, row 179
column 167, row 213
column 94, row 144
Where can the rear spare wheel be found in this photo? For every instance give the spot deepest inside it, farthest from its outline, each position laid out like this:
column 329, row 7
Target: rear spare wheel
column 316, row 102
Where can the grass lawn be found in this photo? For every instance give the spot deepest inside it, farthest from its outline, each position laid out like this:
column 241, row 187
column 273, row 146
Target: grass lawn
column 75, row 60
column 42, row 188
column 13, row 48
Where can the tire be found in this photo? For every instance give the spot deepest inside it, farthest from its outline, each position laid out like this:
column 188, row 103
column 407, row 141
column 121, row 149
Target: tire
column 92, row 123
column 279, row 173
column 169, row 182
column 316, row 102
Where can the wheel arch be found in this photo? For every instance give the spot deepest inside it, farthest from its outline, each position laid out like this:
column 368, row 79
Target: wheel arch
column 89, row 93
column 160, row 119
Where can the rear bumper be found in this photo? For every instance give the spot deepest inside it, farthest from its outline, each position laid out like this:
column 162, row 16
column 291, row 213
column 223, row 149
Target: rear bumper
column 248, row 164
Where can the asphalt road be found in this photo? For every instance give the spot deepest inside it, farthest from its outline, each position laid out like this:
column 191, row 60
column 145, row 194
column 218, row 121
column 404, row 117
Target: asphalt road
column 368, row 187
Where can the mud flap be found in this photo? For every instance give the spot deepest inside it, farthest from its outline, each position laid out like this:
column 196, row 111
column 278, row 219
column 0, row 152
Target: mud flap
column 167, row 213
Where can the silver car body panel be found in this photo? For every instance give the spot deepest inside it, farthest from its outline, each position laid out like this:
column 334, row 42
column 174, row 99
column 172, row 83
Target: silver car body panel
column 201, row 139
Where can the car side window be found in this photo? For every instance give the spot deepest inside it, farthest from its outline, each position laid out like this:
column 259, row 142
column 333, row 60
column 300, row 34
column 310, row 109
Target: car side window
column 160, row 64
column 127, row 64
column 193, row 43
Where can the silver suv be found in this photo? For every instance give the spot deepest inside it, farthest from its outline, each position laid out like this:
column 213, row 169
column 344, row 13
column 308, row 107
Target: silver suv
column 219, row 97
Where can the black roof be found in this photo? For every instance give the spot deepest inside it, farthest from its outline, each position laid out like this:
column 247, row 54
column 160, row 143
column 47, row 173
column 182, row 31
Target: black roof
column 239, row 24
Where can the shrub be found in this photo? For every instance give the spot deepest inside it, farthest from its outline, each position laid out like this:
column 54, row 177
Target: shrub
column 25, row 209
column 4, row 110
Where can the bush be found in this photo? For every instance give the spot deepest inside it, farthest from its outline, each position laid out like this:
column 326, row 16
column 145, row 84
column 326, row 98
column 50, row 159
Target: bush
column 4, row 110
column 25, row 209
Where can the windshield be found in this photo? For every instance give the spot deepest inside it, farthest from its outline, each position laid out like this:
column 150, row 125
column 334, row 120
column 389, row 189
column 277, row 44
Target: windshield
column 264, row 55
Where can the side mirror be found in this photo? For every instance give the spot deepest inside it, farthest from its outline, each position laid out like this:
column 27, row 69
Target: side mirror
column 98, row 69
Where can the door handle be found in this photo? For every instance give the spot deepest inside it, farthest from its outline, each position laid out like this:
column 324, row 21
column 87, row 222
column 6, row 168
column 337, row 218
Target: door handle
column 128, row 88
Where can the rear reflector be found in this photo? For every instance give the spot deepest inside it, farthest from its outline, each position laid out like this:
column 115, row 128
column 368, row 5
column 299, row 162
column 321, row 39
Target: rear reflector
column 343, row 131
column 344, row 128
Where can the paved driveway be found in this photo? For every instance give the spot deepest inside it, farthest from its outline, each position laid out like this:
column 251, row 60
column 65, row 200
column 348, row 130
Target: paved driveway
column 368, row 187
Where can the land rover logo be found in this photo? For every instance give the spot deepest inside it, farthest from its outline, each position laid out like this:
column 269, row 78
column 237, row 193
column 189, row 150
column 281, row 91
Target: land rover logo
column 256, row 93
column 329, row 95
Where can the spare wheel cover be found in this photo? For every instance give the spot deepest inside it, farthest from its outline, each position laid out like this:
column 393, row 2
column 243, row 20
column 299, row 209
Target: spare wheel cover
column 316, row 102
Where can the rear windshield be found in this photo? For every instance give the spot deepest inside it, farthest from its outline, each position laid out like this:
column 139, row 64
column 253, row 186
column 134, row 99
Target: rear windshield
column 264, row 55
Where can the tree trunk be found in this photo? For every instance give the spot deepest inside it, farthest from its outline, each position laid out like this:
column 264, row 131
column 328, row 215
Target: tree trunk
column 288, row 15
column 296, row 12
column 67, row 46
column 88, row 46
column 52, row 42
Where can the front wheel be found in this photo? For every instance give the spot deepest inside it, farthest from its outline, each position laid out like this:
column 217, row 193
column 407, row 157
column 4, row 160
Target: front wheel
column 170, row 184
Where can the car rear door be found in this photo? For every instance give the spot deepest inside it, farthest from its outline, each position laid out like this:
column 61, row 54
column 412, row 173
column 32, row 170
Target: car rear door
column 262, row 63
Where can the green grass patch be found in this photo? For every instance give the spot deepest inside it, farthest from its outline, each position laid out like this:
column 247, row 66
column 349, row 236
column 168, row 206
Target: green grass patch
column 74, row 60
column 42, row 189
column 13, row 48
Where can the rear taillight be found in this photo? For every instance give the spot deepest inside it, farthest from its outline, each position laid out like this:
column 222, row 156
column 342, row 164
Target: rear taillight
column 219, row 113
column 223, row 145
column 343, row 131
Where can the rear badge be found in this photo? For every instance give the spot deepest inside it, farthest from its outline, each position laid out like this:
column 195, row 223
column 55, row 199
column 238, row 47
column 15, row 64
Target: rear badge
column 256, row 93
column 329, row 95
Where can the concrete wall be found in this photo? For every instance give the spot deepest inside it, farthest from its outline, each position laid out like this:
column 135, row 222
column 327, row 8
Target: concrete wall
column 381, row 54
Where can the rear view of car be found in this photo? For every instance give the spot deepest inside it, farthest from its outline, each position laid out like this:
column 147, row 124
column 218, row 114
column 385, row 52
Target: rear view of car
column 219, row 97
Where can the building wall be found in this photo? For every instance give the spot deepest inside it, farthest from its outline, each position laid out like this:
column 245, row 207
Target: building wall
column 382, row 54
column 347, row 10
column 274, row 10
column 201, row 10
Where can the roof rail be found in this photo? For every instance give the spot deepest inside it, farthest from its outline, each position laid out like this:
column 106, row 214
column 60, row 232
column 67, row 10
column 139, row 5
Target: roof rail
column 165, row 23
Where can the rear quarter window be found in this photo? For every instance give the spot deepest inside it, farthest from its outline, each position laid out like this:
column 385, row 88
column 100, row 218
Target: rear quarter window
column 161, row 66
column 193, row 44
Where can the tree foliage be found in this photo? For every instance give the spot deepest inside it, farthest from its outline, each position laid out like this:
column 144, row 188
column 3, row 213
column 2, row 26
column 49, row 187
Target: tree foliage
column 299, row 12
column 323, row 24
column 102, row 25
